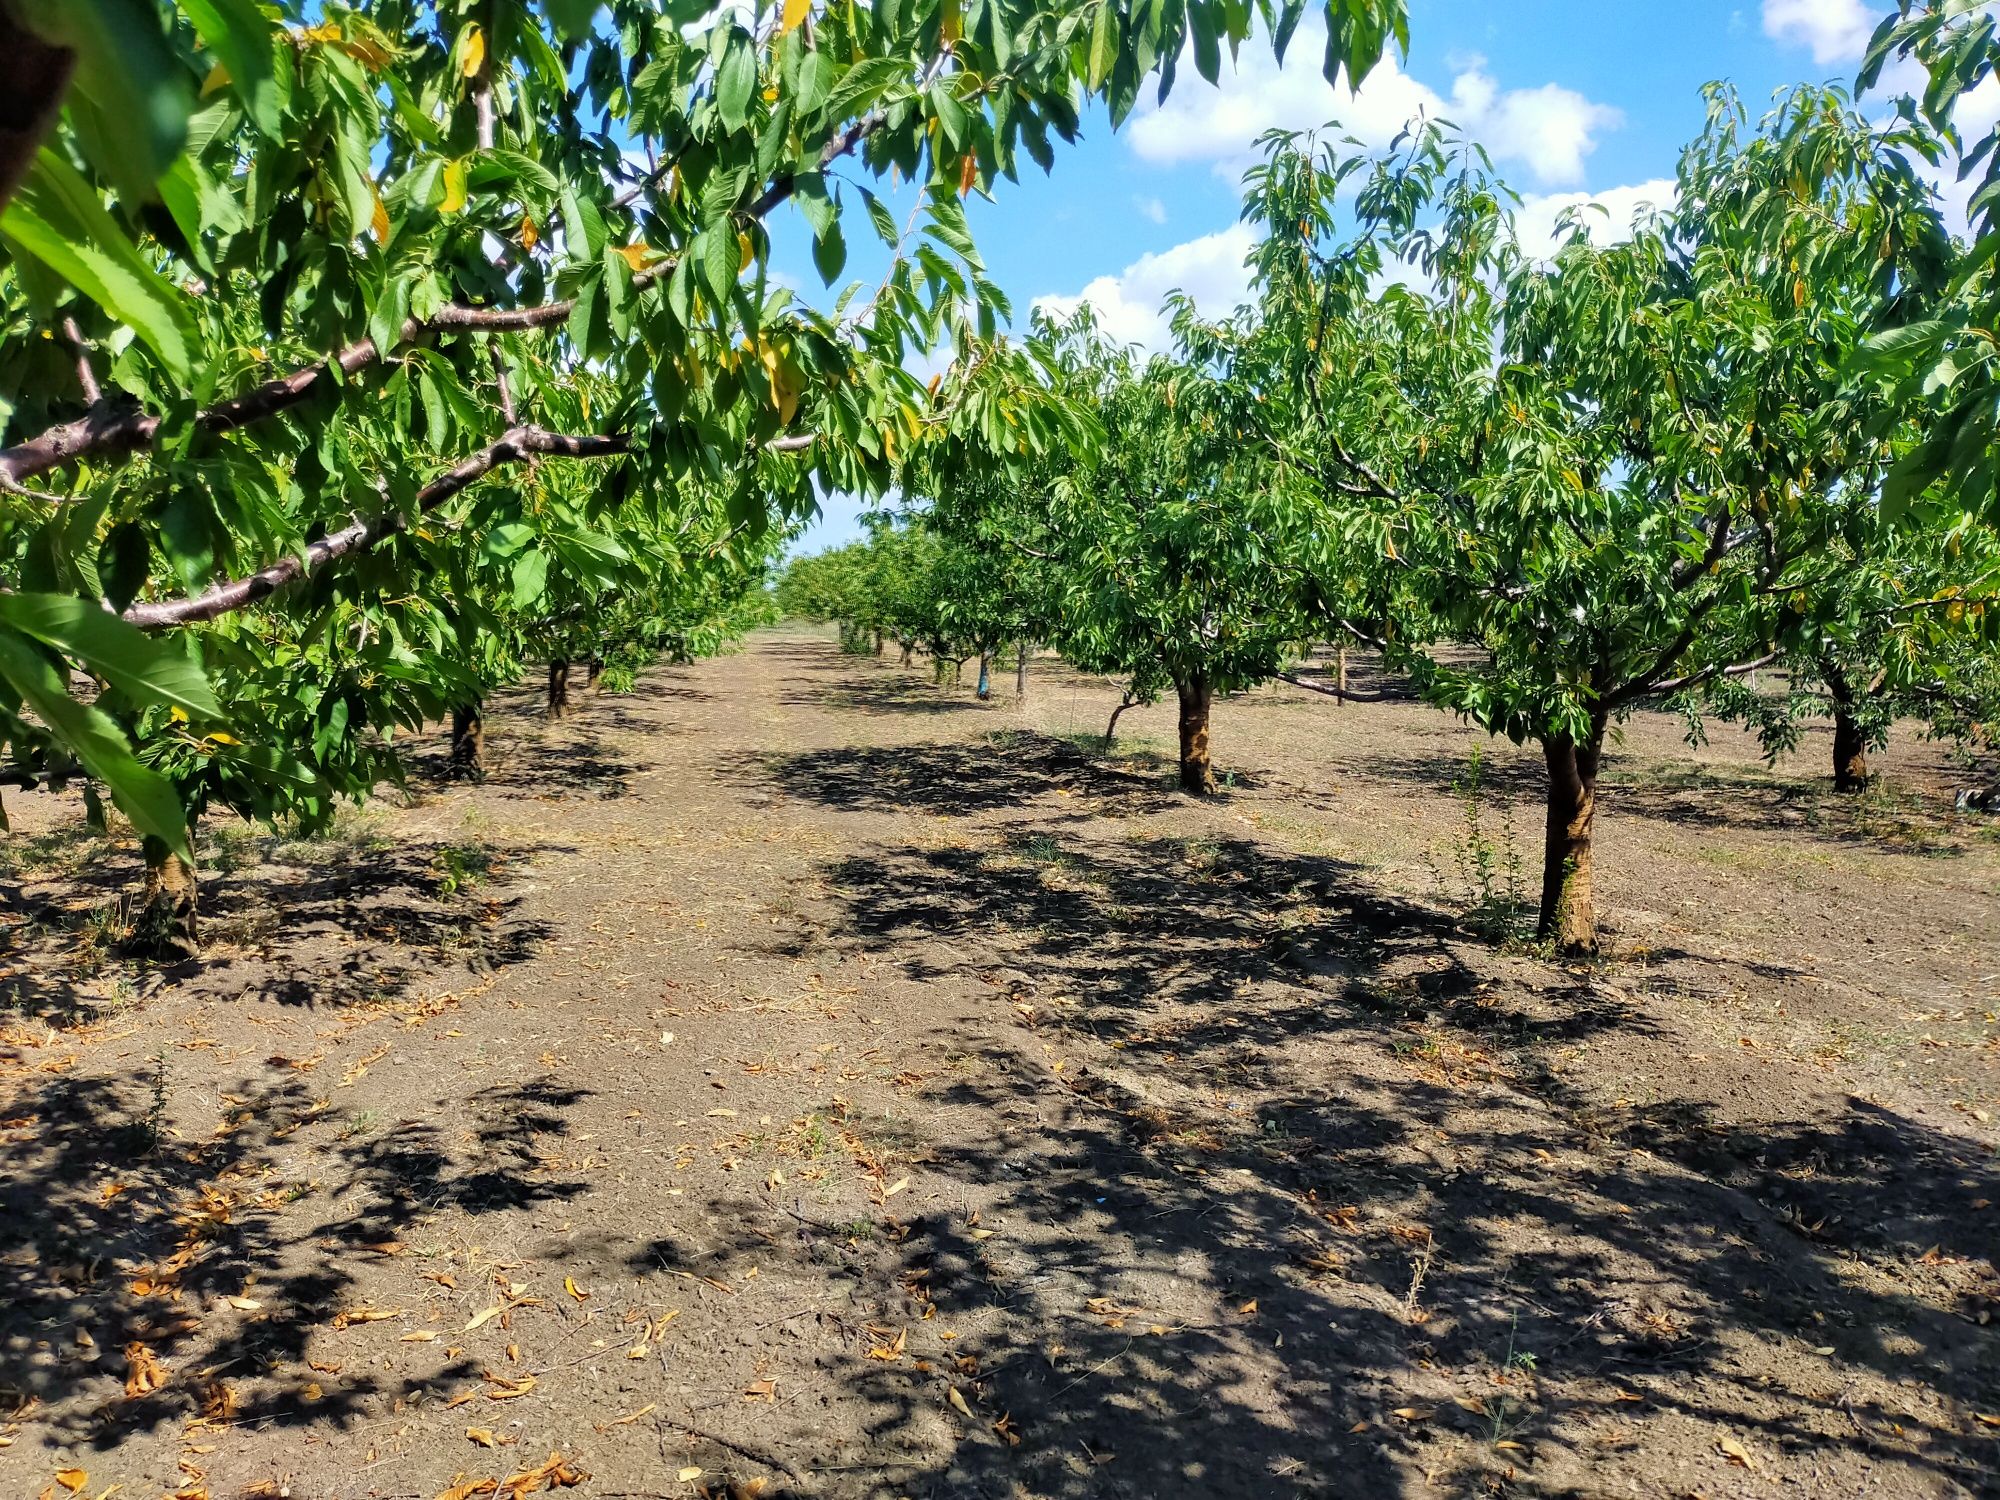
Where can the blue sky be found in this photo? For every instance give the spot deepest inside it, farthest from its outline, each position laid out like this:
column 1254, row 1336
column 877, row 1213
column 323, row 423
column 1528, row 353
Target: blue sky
column 1575, row 98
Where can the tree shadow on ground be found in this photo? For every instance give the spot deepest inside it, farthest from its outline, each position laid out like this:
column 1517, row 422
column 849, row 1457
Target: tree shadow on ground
column 1742, row 799
column 122, row 1245
column 340, row 921
column 1000, row 771
column 1281, row 1188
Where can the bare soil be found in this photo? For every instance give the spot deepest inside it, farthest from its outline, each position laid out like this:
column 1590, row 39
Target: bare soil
column 794, row 1075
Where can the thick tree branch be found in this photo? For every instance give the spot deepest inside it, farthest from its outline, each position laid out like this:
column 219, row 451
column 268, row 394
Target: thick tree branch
column 1343, row 694
column 1706, row 674
column 226, row 598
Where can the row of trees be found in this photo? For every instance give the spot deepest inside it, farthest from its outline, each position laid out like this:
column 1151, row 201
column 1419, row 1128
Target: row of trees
column 1549, row 488
column 354, row 354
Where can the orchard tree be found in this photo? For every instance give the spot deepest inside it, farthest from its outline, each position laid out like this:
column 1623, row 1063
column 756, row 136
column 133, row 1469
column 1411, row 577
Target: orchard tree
column 1174, row 545
column 1633, row 500
column 300, row 303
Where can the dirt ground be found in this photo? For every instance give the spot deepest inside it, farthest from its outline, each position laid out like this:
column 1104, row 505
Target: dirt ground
column 792, row 1078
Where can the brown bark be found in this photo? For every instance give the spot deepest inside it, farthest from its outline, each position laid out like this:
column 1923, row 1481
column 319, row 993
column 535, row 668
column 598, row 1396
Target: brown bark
column 34, row 76
column 1569, row 912
column 468, row 743
column 559, row 688
column 1340, row 667
column 164, row 925
column 1197, row 775
column 1021, row 673
column 908, row 651
column 592, row 672
column 1850, row 745
column 1111, row 729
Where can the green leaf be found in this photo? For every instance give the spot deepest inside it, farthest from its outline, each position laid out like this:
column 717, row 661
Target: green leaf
column 736, row 81
column 137, row 90
column 57, row 218
column 237, row 32
column 144, row 669
column 145, row 796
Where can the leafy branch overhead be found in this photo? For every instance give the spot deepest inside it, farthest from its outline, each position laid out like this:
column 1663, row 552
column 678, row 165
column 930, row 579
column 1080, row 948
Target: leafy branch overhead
column 291, row 289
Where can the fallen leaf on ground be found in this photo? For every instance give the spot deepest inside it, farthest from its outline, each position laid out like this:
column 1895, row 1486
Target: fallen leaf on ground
column 143, row 1373
column 505, row 1389
column 570, row 1286
column 626, row 1421
column 485, row 1437
column 894, row 1349
column 557, row 1473
column 72, row 1479
column 958, row 1400
column 419, row 1336
column 1414, row 1413
column 761, row 1390
column 692, row 1471
column 462, row 1488
column 244, row 1304
column 1735, row 1452
column 355, row 1315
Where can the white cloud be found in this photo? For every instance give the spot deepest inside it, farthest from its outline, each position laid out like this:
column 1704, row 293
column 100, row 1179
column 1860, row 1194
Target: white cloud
column 1837, row 31
column 1536, row 220
column 1210, row 270
column 1151, row 209
column 1550, row 128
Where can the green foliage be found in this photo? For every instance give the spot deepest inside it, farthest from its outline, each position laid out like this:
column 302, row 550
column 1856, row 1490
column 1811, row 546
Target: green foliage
column 313, row 315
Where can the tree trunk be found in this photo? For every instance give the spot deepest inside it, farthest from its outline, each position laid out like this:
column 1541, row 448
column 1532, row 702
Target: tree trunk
column 908, row 651
column 468, row 743
column 164, row 926
column 592, row 672
column 1340, row 677
column 878, row 643
column 559, row 687
column 1197, row 775
column 938, row 668
column 985, row 689
column 1021, row 672
column 1850, row 745
column 1111, row 729
column 1569, row 914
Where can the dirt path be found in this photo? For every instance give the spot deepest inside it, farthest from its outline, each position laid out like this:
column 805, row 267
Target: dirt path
column 838, row 1085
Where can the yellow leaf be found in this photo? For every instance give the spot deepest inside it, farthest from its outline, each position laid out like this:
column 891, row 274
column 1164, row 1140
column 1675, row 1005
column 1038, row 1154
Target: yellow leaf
column 570, row 1286
column 958, row 1400
column 177, row 714
column 481, row 1319
column 1735, row 1452
column 636, row 255
column 506, row 1390
column 692, row 1471
column 483, row 1436
column 531, row 236
column 795, row 15
column 454, row 187
column 72, row 1479
column 380, row 224
column 475, row 51
column 746, row 252
column 419, row 1336
column 1413, row 1413
column 218, row 79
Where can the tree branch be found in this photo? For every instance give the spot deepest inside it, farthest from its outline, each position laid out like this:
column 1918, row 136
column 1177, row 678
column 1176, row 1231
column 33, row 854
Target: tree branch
column 123, row 431
column 225, row 598
column 1332, row 692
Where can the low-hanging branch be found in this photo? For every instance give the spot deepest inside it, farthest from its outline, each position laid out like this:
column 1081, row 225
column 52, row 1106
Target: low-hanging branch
column 108, row 431
column 1343, row 694
column 226, row 598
